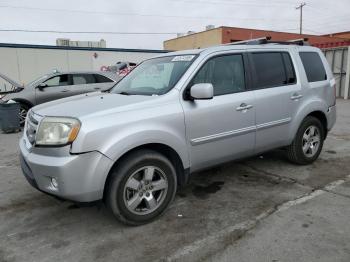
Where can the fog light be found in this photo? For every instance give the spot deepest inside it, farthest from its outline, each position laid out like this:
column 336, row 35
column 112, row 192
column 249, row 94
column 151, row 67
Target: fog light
column 54, row 182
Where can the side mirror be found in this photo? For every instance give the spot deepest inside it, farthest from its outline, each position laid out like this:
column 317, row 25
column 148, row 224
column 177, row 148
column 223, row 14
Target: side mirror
column 202, row 91
column 41, row 86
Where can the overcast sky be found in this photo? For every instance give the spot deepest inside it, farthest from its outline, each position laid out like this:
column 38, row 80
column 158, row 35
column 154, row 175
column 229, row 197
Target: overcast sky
column 161, row 16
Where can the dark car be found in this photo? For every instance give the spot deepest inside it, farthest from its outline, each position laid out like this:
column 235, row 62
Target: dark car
column 58, row 85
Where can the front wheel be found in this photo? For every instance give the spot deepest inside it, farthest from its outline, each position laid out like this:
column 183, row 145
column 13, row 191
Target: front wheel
column 308, row 142
column 23, row 111
column 141, row 187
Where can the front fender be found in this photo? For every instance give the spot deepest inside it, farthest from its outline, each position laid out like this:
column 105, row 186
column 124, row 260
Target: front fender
column 123, row 143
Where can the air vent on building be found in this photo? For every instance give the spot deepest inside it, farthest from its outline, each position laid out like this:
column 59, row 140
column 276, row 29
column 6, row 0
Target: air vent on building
column 209, row 27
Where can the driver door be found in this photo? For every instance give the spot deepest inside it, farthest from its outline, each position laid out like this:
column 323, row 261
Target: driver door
column 223, row 128
column 56, row 87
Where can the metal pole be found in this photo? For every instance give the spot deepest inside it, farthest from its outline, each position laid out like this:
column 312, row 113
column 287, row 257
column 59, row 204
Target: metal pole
column 301, row 16
column 347, row 78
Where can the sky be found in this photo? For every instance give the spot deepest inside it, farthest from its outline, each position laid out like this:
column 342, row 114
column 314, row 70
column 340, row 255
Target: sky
column 159, row 20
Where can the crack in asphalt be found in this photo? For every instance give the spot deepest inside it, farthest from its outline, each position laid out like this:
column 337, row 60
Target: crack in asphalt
column 279, row 177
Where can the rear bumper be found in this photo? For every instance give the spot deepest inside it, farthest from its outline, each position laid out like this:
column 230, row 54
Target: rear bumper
column 331, row 117
column 80, row 177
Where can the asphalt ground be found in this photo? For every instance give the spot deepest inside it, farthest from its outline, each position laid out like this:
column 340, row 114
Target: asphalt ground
column 259, row 209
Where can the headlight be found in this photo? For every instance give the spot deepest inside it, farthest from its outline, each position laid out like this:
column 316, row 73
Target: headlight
column 57, row 131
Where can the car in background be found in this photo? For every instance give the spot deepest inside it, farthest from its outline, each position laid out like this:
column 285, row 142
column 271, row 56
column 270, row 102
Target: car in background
column 120, row 68
column 58, row 85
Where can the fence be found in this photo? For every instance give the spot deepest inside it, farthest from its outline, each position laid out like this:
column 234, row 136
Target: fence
column 339, row 61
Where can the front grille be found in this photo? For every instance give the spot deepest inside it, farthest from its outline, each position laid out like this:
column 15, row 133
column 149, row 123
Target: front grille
column 32, row 126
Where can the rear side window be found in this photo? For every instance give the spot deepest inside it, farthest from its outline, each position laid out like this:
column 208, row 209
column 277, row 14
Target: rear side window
column 81, row 79
column 102, row 79
column 270, row 70
column 225, row 73
column 313, row 66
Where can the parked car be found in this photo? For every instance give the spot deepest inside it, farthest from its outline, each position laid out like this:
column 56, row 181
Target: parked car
column 175, row 114
column 120, row 68
column 58, row 85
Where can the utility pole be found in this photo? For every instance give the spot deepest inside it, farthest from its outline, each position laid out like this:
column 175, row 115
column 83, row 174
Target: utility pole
column 301, row 16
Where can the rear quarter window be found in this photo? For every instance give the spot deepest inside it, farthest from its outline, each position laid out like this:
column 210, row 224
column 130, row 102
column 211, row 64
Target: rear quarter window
column 102, row 79
column 313, row 66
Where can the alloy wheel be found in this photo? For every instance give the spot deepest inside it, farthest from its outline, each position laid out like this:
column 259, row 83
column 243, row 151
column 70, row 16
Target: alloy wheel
column 311, row 141
column 145, row 190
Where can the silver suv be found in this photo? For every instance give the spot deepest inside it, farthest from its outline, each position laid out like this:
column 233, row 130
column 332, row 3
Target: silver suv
column 175, row 114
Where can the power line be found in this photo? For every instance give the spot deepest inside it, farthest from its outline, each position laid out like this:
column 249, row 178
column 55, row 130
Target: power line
column 86, row 32
column 135, row 14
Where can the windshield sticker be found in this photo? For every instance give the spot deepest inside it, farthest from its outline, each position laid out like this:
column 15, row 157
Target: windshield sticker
column 184, row 58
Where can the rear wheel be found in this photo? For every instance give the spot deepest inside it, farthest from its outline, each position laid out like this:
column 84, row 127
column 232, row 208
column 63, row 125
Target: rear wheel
column 141, row 187
column 308, row 142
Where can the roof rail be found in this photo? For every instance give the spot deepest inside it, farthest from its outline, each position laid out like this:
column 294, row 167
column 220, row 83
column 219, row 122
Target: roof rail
column 301, row 41
column 256, row 41
column 267, row 40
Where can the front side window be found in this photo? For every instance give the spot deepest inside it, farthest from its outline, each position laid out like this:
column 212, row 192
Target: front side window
column 269, row 69
column 61, row 80
column 313, row 66
column 225, row 73
column 155, row 76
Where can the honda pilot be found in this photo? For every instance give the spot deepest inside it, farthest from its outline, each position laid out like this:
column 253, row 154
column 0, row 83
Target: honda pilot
column 176, row 114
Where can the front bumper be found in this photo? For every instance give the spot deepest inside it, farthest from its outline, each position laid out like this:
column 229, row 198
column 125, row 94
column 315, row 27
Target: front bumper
column 80, row 177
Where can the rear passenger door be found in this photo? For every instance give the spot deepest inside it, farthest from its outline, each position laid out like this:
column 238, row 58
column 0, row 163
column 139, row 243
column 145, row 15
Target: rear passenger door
column 84, row 83
column 277, row 93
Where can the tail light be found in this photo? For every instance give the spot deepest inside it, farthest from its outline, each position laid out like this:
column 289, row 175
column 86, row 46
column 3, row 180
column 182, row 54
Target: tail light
column 334, row 86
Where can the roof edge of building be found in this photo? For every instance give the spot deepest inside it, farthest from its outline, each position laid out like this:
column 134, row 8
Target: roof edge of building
column 12, row 45
column 216, row 28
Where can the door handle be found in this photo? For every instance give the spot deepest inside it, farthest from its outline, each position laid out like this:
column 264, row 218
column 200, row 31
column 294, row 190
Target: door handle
column 296, row 96
column 97, row 88
column 244, row 107
column 64, row 91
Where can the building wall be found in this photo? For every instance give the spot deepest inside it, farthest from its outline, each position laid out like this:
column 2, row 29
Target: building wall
column 23, row 64
column 234, row 33
column 197, row 40
column 345, row 35
column 224, row 35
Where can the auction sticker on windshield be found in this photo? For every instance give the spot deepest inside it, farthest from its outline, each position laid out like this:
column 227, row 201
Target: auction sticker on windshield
column 184, row 58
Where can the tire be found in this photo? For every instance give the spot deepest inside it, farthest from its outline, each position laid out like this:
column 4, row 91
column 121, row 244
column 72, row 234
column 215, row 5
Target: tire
column 23, row 111
column 305, row 149
column 129, row 184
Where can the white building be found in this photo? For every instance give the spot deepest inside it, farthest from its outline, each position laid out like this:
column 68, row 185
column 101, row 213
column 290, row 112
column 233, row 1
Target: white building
column 68, row 42
column 24, row 63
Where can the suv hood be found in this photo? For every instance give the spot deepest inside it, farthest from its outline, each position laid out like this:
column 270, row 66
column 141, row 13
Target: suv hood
column 92, row 104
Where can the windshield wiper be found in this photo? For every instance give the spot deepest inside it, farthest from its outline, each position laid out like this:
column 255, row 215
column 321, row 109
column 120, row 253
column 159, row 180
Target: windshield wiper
column 125, row 93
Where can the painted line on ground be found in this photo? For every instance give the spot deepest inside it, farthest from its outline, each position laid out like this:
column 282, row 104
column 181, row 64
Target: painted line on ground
column 212, row 240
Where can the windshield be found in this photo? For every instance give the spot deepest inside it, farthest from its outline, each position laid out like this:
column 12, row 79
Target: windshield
column 37, row 80
column 155, row 76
